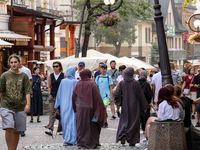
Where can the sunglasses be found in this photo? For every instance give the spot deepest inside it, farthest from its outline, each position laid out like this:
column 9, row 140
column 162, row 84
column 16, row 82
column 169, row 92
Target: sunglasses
column 55, row 66
column 120, row 70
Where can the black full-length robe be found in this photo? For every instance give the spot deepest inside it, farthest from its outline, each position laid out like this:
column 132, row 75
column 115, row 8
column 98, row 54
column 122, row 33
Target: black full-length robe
column 133, row 102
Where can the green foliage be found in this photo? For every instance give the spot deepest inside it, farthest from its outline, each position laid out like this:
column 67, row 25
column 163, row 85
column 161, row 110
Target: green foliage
column 129, row 12
column 187, row 2
column 154, row 54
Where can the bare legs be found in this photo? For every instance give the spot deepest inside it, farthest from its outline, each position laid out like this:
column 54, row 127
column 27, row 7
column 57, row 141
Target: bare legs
column 106, row 112
column 118, row 107
column 151, row 119
column 112, row 106
column 198, row 116
column 193, row 108
column 38, row 117
column 12, row 139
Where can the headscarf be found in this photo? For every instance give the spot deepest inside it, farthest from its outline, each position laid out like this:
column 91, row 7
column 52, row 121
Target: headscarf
column 128, row 74
column 143, row 75
column 70, row 73
column 85, row 75
column 87, row 91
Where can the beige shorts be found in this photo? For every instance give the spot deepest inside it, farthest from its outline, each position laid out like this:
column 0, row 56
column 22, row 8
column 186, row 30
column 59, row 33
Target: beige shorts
column 13, row 119
column 192, row 95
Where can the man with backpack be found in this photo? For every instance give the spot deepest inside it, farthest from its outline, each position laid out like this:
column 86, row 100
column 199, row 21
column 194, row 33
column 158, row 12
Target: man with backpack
column 104, row 83
column 175, row 76
column 114, row 73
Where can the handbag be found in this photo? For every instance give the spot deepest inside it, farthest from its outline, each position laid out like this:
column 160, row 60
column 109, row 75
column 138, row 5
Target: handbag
column 34, row 86
column 95, row 119
column 187, row 91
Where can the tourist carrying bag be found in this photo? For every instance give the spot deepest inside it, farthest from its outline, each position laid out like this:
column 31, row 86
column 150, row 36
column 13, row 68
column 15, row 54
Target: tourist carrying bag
column 187, row 91
column 35, row 85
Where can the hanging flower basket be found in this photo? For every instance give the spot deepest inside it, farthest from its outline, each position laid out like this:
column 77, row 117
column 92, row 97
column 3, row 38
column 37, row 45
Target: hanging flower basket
column 108, row 20
column 195, row 37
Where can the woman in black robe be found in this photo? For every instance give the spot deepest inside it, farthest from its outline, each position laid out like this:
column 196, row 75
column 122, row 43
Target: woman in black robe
column 133, row 103
column 87, row 103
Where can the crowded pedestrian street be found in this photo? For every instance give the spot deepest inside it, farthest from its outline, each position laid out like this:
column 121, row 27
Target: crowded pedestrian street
column 36, row 139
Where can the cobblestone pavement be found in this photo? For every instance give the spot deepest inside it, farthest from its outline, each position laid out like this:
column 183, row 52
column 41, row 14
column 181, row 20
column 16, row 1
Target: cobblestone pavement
column 36, row 139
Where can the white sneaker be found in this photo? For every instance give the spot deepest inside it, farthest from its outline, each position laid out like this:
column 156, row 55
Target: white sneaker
column 144, row 141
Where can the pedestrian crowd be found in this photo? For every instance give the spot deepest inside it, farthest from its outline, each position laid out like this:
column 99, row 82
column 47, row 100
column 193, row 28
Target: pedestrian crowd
column 79, row 101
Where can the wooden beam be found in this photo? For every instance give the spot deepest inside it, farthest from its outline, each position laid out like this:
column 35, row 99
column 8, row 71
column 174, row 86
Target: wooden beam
column 52, row 39
column 23, row 19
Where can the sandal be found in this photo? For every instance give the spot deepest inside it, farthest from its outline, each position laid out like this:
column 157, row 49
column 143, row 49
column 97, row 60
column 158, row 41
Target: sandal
column 31, row 121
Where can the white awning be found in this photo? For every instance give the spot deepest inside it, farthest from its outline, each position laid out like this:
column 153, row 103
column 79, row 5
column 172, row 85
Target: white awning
column 12, row 36
column 5, row 44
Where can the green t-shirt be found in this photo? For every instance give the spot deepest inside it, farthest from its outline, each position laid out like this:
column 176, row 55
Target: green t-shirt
column 15, row 87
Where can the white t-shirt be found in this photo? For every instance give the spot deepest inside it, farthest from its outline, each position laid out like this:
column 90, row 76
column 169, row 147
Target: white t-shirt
column 165, row 111
column 136, row 77
column 27, row 71
column 56, row 76
column 77, row 74
column 157, row 80
column 120, row 78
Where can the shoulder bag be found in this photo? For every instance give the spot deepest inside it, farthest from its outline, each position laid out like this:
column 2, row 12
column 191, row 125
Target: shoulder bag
column 187, row 91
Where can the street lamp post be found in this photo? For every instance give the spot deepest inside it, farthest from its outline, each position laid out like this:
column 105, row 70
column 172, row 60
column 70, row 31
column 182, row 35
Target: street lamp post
column 162, row 46
column 106, row 2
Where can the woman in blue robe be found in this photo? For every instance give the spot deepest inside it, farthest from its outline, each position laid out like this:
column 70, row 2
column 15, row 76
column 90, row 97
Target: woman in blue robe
column 64, row 101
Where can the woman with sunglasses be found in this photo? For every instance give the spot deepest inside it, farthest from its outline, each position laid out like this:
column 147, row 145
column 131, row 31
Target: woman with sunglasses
column 53, row 85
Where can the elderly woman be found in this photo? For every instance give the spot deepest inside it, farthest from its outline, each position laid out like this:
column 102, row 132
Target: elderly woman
column 64, row 101
column 133, row 103
column 88, row 105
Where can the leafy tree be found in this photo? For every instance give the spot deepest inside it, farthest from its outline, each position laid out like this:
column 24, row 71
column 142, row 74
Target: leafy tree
column 154, row 54
column 187, row 2
column 124, row 31
column 138, row 9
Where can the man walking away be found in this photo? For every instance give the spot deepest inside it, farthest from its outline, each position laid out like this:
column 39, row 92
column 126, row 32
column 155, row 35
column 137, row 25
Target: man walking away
column 104, row 83
column 175, row 76
column 114, row 73
column 156, row 84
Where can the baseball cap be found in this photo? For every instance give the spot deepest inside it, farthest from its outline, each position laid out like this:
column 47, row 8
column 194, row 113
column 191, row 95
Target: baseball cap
column 81, row 63
column 104, row 66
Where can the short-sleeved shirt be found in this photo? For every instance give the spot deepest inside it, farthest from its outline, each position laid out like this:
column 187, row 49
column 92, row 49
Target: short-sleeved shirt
column 97, row 73
column 15, row 87
column 188, row 82
column 113, row 76
column 176, row 77
column 188, row 102
column 103, row 84
column 120, row 78
column 157, row 80
column 27, row 71
column 165, row 111
column 77, row 74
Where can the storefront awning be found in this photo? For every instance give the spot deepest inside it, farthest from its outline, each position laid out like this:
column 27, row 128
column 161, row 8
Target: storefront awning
column 5, row 44
column 12, row 36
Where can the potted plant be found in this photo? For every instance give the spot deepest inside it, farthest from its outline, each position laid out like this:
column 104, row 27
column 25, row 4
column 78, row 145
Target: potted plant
column 195, row 37
column 108, row 20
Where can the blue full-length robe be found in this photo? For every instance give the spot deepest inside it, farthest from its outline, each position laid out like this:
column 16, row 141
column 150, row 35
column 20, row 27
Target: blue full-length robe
column 64, row 100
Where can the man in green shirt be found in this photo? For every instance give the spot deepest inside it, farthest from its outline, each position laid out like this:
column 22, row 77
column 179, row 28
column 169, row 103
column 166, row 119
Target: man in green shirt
column 15, row 89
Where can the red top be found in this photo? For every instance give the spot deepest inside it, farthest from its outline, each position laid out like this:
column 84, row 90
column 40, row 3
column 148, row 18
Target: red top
column 188, row 82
